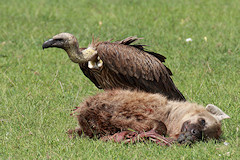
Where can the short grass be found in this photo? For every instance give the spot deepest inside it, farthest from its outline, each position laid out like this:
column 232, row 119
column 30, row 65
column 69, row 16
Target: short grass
column 39, row 88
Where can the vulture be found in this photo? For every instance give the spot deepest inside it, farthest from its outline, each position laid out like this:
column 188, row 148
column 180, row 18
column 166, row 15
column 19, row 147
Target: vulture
column 120, row 64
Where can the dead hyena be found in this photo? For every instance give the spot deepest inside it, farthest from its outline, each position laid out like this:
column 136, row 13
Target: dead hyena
column 122, row 114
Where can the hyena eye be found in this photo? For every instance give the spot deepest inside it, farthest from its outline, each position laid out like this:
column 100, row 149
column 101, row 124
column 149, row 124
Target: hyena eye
column 193, row 131
column 202, row 122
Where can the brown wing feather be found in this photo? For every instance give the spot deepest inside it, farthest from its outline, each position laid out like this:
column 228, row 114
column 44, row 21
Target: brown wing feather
column 140, row 69
column 129, row 40
column 131, row 61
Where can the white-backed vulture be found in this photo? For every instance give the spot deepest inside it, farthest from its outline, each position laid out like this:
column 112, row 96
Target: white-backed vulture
column 119, row 64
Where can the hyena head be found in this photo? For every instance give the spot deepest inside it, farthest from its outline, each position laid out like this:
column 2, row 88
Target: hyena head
column 202, row 124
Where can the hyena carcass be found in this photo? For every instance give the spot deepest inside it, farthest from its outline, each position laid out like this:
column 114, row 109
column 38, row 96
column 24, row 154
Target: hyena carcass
column 115, row 112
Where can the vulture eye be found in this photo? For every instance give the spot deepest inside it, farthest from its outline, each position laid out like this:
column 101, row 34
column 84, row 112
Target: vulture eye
column 202, row 122
column 59, row 39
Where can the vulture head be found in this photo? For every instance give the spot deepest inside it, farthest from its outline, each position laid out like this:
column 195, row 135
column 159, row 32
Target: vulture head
column 62, row 40
column 69, row 43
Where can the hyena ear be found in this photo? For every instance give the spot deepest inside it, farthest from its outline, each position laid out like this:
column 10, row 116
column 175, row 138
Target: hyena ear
column 217, row 112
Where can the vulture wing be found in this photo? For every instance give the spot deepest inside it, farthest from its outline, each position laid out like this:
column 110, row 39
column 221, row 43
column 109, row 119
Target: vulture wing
column 141, row 69
column 131, row 61
column 129, row 40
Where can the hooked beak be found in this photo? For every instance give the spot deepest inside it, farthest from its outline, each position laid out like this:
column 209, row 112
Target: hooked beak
column 48, row 43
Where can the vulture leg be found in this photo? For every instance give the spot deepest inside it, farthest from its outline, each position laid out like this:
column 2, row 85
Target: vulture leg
column 133, row 137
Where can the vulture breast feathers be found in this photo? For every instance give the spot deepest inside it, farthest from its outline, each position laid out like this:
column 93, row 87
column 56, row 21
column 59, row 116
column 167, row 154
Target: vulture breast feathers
column 119, row 64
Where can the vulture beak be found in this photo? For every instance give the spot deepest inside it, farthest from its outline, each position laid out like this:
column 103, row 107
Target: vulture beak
column 48, row 43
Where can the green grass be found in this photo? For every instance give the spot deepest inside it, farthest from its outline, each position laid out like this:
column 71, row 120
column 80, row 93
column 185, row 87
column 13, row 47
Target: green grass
column 39, row 88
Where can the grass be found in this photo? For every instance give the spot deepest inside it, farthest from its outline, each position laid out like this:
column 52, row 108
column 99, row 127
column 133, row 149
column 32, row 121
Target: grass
column 39, row 88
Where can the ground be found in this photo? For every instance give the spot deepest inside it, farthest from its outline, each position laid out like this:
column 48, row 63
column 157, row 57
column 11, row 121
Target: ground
column 39, row 88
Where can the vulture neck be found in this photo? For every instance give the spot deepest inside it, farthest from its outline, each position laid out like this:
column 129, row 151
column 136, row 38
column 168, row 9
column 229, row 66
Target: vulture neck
column 75, row 53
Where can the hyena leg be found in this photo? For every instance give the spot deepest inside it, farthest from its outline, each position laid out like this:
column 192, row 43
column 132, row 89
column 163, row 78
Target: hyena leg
column 159, row 127
column 151, row 135
column 117, row 137
column 133, row 137
column 72, row 132
column 155, row 134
